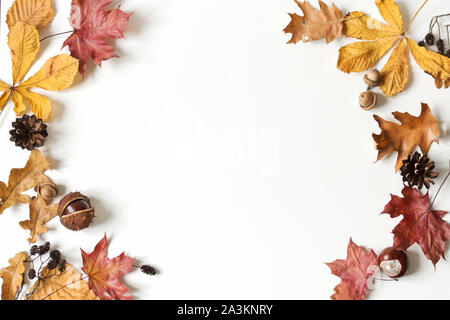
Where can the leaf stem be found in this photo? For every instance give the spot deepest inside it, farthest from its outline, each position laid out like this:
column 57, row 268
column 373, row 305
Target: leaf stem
column 440, row 187
column 415, row 15
column 56, row 34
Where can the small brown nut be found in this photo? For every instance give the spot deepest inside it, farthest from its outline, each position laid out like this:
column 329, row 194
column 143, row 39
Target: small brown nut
column 47, row 191
column 372, row 78
column 367, row 100
column 75, row 211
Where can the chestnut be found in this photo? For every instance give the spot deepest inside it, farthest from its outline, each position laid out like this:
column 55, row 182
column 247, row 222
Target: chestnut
column 75, row 211
column 393, row 262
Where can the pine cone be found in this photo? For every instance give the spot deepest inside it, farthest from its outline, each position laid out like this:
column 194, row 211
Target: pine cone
column 417, row 170
column 28, row 132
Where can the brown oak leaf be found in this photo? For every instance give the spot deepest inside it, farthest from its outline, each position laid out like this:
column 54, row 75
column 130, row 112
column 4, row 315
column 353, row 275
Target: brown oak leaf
column 56, row 285
column 419, row 225
column 403, row 138
column 13, row 276
column 315, row 24
column 40, row 214
column 104, row 273
column 21, row 180
column 354, row 272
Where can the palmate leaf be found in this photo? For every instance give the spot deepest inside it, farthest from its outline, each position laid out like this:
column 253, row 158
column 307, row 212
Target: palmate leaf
column 380, row 38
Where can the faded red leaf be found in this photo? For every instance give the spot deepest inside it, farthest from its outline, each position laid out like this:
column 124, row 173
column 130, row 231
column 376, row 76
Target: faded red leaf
column 354, row 272
column 419, row 225
column 104, row 273
column 92, row 26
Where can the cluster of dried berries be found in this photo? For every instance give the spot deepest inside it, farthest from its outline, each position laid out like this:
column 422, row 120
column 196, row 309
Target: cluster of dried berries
column 55, row 259
column 28, row 132
column 430, row 39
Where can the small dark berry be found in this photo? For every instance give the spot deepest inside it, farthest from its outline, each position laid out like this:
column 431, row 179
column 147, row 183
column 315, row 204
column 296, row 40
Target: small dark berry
column 31, row 274
column 429, row 39
column 34, row 249
column 53, row 264
column 43, row 249
column 421, row 43
column 148, row 270
column 62, row 265
column 440, row 46
column 55, row 255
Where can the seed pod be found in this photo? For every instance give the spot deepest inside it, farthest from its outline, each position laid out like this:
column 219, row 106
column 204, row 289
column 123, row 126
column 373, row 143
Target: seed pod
column 75, row 211
column 367, row 100
column 372, row 78
column 47, row 191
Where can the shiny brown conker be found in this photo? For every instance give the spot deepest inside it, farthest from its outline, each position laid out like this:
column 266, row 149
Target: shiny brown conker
column 393, row 262
column 75, row 211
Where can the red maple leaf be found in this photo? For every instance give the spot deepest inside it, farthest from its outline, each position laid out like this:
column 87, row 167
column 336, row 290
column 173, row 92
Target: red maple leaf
column 104, row 273
column 92, row 25
column 419, row 225
column 354, row 272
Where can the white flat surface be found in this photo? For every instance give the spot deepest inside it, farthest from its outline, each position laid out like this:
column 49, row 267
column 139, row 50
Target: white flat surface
column 233, row 162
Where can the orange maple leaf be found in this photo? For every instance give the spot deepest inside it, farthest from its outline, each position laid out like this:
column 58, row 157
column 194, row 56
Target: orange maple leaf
column 104, row 273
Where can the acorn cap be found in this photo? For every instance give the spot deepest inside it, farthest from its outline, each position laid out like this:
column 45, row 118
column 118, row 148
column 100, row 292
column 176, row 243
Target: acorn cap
column 367, row 100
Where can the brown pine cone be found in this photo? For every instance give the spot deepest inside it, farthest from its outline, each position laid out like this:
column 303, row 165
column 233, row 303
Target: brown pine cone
column 417, row 170
column 28, row 132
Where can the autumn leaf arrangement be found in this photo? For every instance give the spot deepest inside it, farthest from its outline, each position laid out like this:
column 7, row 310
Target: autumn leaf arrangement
column 41, row 272
column 420, row 224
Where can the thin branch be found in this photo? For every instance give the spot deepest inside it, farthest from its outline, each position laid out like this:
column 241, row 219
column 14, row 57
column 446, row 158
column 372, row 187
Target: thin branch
column 440, row 187
column 54, row 35
column 409, row 24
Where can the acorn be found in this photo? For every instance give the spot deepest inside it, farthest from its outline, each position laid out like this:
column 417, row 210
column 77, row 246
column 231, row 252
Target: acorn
column 47, row 191
column 367, row 100
column 373, row 78
column 75, row 211
column 393, row 262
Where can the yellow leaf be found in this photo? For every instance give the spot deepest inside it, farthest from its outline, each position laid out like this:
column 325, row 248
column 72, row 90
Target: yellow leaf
column 360, row 26
column 68, row 285
column 40, row 214
column 4, row 98
column 13, row 276
column 21, row 180
column 315, row 24
column 435, row 64
column 391, row 14
column 360, row 56
column 19, row 106
column 394, row 75
column 37, row 13
column 56, row 74
column 40, row 105
column 23, row 40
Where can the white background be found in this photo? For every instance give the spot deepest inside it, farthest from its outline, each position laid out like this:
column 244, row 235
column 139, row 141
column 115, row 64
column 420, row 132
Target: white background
column 233, row 162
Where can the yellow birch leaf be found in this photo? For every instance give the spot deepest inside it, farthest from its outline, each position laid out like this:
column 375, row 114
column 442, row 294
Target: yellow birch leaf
column 21, row 180
column 13, row 276
column 4, row 99
column 391, row 14
column 3, row 86
column 360, row 56
column 37, row 13
column 40, row 105
column 23, row 40
column 360, row 26
column 435, row 64
column 40, row 214
column 67, row 285
column 394, row 75
column 55, row 75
